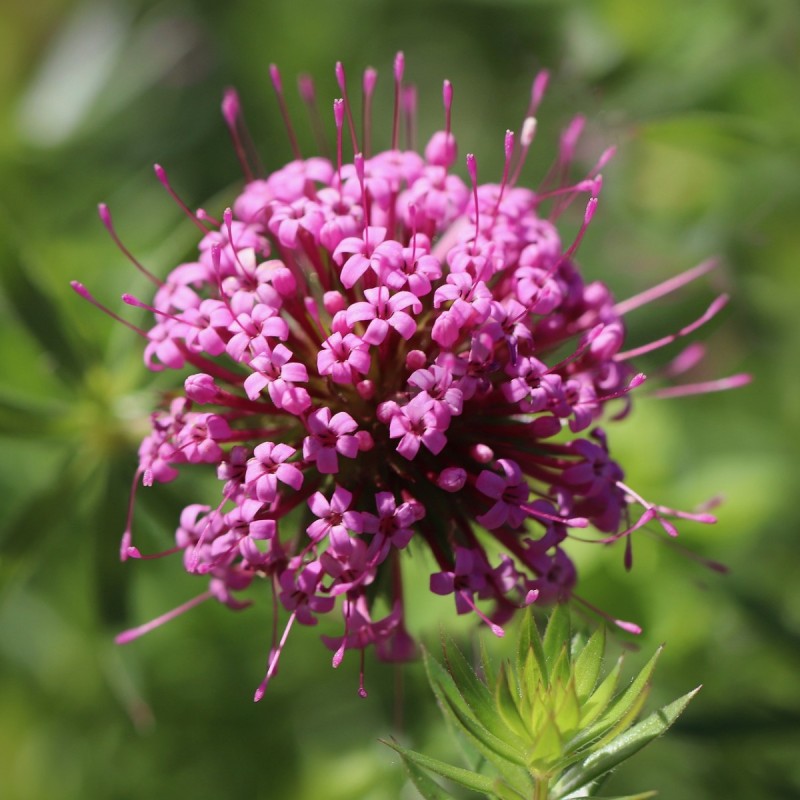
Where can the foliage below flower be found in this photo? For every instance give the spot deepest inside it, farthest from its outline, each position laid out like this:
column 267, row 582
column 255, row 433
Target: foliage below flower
column 548, row 727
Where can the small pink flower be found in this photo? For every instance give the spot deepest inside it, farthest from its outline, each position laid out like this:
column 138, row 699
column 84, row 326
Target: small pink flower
column 268, row 466
column 342, row 357
column 329, row 435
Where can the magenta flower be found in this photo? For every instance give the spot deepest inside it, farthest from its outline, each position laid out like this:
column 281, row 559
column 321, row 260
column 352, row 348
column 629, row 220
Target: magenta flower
column 329, row 435
column 384, row 336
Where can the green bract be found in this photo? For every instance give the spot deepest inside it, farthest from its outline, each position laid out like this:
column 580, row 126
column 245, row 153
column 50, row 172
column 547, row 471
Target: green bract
column 547, row 727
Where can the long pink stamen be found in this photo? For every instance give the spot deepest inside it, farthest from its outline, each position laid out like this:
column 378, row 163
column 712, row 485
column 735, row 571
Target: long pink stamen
column 716, row 306
column 636, row 380
column 495, row 628
column 526, row 137
column 338, row 118
column 305, row 85
column 105, row 218
column 125, row 545
column 668, row 286
column 358, row 161
column 161, row 174
column 508, row 149
column 688, row 358
column 368, row 86
column 362, row 692
column 399, row 68
column 708, row 563
column 338, row 656
column 571, row 522
column 629, row 627
column 135, row 633
column 232, row 114
column 130, row 300
column 342, row 81
column 648, row 516
column 705, row 387
column 134, row 552
column 447, row 98
column 409, row 106
column 588, row 214
column 273, row 663
column 83, row 292
column 538, row 88
column 472, row 169
column 277, row 83
column 227, row 221
column 668, row 527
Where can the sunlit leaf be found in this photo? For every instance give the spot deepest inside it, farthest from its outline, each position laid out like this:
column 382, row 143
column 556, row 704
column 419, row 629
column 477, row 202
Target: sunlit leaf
column 463, row 777
column 624, row 702
column 601, row 696
column 476, row 694
column 621, row 748
column 557, row 635
column 588, row 664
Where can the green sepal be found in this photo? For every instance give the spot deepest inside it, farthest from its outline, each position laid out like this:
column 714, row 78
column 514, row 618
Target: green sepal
column 621, row 748
column 463, row 777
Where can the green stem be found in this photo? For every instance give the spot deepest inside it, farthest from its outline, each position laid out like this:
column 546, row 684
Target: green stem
column 541, row 789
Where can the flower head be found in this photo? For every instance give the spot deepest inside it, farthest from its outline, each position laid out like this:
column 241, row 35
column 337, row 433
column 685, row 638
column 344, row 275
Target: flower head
column 385, row 336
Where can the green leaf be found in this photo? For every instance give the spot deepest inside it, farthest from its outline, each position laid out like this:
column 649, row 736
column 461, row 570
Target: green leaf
column 601, row 696
column 568, row 713
column 557, row 634
column 560, row 673
column 502, row 755
column 530, row 680
column 624, row 722
column 548, row 747
column 624, row 702
column 531, row 641
column 476, row 694
column 486, row 664
column 424, row 784
column 621, row 748
column 504, row 792
column 588, row 664
column 507, row 703
column 463, row 777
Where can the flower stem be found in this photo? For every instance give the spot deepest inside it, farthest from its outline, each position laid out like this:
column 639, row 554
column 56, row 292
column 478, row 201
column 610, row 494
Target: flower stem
column 542, row 789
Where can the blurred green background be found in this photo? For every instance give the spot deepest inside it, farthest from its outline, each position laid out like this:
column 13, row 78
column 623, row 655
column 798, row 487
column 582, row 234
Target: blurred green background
column 703, row 99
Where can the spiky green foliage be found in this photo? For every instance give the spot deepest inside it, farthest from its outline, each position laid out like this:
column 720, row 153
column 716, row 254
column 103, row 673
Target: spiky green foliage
column 547, row 726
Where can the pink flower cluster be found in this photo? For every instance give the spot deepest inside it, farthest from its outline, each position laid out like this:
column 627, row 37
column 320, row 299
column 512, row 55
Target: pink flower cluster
column 384, row 356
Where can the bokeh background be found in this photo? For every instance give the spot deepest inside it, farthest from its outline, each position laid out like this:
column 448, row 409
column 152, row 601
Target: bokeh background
column 703, row 99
